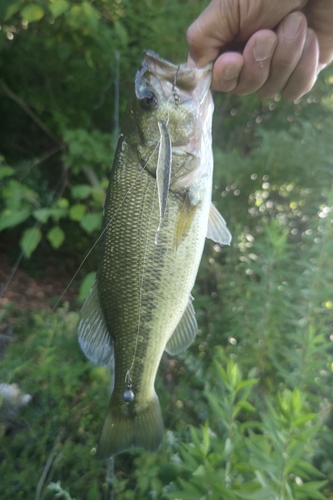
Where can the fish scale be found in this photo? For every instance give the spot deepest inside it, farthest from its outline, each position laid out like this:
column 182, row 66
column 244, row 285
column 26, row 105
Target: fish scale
column 145, row 284
column 141, row 302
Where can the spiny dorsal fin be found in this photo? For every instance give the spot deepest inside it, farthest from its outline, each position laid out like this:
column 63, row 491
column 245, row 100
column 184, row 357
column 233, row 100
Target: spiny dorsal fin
column 185, row 331
column 94, row 337
column 217, row 228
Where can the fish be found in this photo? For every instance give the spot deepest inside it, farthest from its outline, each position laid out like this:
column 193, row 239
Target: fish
column 157, row 215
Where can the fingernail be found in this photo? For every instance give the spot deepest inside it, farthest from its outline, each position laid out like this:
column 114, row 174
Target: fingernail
column 190, row 63
column 263, row 48
column 292, row 25
column 231, row 72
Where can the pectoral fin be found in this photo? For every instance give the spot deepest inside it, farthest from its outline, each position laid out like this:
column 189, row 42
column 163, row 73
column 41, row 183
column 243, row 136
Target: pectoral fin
column 185, row 332
column 217, row 229
column 94, row 337
column 185, row 218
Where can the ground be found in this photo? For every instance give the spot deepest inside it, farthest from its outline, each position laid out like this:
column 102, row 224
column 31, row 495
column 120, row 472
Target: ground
column 25, row 292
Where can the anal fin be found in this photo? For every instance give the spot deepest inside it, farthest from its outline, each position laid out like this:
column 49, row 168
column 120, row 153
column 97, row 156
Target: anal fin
column 185, row 331
column 217, row 228
column 94, row 337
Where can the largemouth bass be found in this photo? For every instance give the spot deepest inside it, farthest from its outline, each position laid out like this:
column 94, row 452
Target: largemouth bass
column 157, row 215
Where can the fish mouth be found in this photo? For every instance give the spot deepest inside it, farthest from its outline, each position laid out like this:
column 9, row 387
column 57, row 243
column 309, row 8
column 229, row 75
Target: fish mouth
column 189, row 80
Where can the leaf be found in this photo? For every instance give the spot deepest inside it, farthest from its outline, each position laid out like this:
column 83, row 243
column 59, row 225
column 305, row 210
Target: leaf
column 83, row 16
column 200, row 471
column 58, row 7
column 91, row 222
column 215, row 404
column 224, row 492
column 63, row 203
column 9, row 218
column 90, row 13
column 10, row 10
column 297, row 401
column 244, row 405
column 56, row 236
column 81, row 191
column 304, row 418
column 30, row 240
column 264, row 493
column 206, row 439
column 32, row 13
column 42, row 214
column 228, row 447
column 76, row 212
column 309, row 469
column 86, row 285
column 247, row 383
column 188, row 488
column 6, row 171
column 234, row 374
column 93, row 491
column 311, row 489
column 194, row 436
column 58, row 213
column 121, row 32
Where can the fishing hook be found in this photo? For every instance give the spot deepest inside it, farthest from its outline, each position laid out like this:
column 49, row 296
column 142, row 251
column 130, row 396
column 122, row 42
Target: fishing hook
column 174, row 91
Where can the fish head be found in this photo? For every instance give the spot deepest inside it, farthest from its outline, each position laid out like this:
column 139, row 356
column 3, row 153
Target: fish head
column 180, row 97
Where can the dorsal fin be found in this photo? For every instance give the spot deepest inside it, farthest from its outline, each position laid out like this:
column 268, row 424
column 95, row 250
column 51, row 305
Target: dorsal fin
column 217, row 228
column 94, row 337
column 185, row 331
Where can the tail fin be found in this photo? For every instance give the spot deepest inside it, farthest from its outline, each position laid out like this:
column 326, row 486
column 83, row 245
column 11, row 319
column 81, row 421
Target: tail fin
column 119, row 433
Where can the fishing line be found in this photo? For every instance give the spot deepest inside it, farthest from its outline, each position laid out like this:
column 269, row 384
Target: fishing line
column 174, row 95
column 107, row 226
column 174, row 91
column 176, row 98
column 128, row 379
column 19, row 258
column 128, row 395
column 91, row 249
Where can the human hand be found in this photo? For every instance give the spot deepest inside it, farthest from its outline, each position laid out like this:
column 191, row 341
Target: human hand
column 285, row 60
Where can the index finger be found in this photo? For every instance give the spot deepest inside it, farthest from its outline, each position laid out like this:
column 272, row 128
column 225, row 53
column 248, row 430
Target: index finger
column 208, row 33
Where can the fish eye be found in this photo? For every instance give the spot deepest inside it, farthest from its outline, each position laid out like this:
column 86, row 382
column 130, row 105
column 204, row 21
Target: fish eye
column 148, row 101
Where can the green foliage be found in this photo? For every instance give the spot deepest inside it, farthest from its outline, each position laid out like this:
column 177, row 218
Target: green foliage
column 60, row 104
column 246, row 458
column 55, row 427
column 60, row 493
